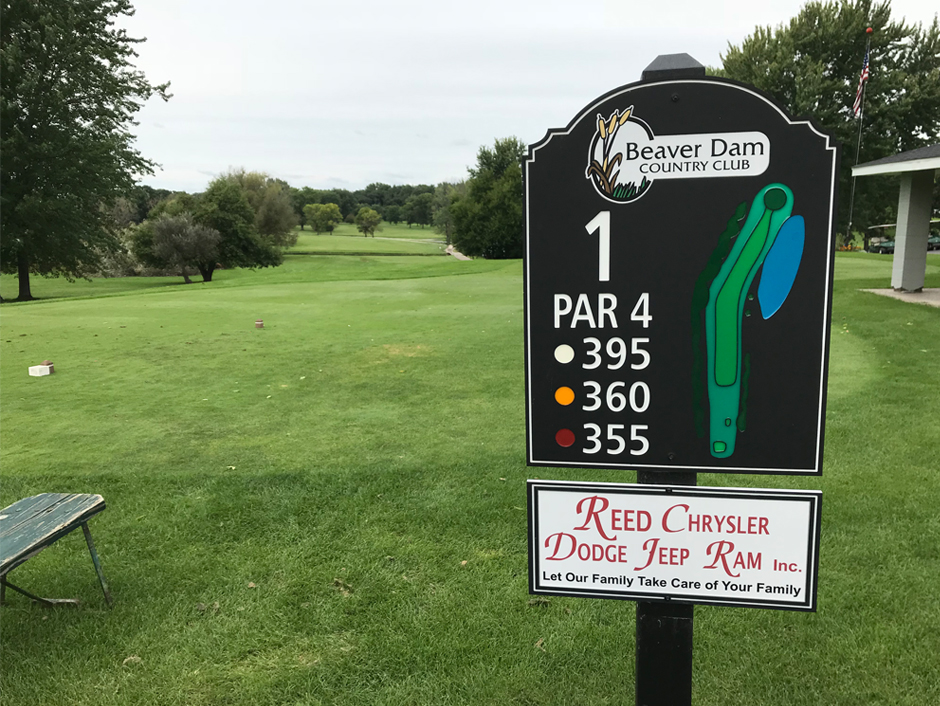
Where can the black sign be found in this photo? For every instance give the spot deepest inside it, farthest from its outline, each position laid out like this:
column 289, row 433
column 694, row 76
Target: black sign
column 678, row 275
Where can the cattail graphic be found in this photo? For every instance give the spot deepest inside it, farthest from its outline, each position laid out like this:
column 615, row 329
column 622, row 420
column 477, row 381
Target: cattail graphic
column 603, row 167
column 604, row 171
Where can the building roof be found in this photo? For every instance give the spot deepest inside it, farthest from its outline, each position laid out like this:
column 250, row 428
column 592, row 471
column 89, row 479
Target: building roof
column 921, row 159
column 894, row 225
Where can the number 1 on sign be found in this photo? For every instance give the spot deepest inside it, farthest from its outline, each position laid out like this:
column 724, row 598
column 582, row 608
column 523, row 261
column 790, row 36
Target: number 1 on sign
column 602, row 222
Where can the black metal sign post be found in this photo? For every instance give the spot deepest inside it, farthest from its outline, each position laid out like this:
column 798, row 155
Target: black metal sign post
column 678, row 278
column 664, row 630
column 664, row 634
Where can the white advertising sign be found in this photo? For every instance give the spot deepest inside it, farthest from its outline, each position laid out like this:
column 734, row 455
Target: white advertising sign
column 718, row 546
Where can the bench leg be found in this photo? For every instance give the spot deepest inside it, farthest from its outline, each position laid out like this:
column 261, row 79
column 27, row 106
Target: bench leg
column 94, row 558
column 45, row 601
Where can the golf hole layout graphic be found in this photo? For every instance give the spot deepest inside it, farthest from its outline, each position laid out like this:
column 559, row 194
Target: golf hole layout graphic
column 769, row 237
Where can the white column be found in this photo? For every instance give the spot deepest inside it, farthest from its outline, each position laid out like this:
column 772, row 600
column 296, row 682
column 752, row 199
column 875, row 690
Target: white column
column 910, row 240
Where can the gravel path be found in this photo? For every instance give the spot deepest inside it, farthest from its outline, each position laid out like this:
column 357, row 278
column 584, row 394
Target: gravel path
column 459, row 255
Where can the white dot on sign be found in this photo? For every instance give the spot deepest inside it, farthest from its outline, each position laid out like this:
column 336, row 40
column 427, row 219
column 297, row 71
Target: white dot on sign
column 564, row 353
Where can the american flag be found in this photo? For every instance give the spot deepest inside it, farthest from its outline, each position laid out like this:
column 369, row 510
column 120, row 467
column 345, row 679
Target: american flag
column 857, row 106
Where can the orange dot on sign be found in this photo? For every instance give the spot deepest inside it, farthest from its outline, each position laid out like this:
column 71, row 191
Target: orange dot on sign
column 564, row 396
column 564, row 437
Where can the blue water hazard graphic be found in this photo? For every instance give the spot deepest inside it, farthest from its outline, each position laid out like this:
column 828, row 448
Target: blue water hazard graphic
column 780, row 266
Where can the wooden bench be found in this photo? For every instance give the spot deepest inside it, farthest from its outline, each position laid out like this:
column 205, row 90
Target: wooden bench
column 32, row 524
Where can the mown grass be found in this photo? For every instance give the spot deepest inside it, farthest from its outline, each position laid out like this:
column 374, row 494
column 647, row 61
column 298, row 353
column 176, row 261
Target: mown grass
column 311, row 243
column 350, row 456
column 297, row 269
column 386, row 230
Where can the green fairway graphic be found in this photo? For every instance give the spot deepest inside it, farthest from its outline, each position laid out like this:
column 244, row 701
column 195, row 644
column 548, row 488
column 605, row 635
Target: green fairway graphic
column 768, row 237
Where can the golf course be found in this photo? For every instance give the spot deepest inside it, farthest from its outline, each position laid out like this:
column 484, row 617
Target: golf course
column 331, row 509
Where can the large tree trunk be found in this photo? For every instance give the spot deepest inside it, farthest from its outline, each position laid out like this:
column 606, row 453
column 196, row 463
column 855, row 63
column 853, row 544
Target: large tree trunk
column 23, row 274
column 206, row 272
column 186, row 279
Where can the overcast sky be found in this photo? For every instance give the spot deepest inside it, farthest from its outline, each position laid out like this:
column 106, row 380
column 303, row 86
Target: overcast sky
column 342, row 94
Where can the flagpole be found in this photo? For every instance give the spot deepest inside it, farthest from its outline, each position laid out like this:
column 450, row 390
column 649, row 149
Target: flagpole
column 858, row 144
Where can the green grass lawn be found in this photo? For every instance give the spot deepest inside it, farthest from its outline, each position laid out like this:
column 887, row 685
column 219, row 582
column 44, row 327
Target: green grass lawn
column 347, row 459
column 387, row 230
column 867, row 266
column 311, row 243
column 297, row 269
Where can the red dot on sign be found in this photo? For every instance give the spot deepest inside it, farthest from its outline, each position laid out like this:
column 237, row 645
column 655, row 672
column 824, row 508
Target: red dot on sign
column 565, row 437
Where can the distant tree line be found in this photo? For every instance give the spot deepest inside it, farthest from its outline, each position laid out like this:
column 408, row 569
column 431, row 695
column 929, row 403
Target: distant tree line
column 398, row 203
column 247, row 218
column 481, row 217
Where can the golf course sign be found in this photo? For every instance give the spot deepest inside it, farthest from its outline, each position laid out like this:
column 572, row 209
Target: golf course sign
column 678, row 272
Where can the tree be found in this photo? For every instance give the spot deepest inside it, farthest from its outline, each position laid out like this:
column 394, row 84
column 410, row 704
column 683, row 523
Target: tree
column 178, row 243
column 367, row 221
column 392, row 213
column 323, row 217
column 408, row 214
column 123, row 212
column 300, row 198
column 146, row 198
column 812, row 67
column 417, row 209
column 488, row 220
column 311, row 214
column 441, row 215
column 68, row 95
column 271, row 201
column 175, row 205
column 275, row 218
column 376, row 194
column 224, row 207
column 342, row 197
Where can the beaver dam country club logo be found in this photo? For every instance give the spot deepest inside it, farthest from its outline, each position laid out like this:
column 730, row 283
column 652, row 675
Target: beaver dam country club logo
column 625, row 157
column 605, row 167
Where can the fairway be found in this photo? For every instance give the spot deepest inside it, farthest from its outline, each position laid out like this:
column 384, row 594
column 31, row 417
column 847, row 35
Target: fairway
column 345, row 244
column 297, row 269
column 331, row 509
column 386, row 230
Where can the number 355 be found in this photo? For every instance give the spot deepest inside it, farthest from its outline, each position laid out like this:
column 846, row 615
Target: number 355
column 619, row 443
